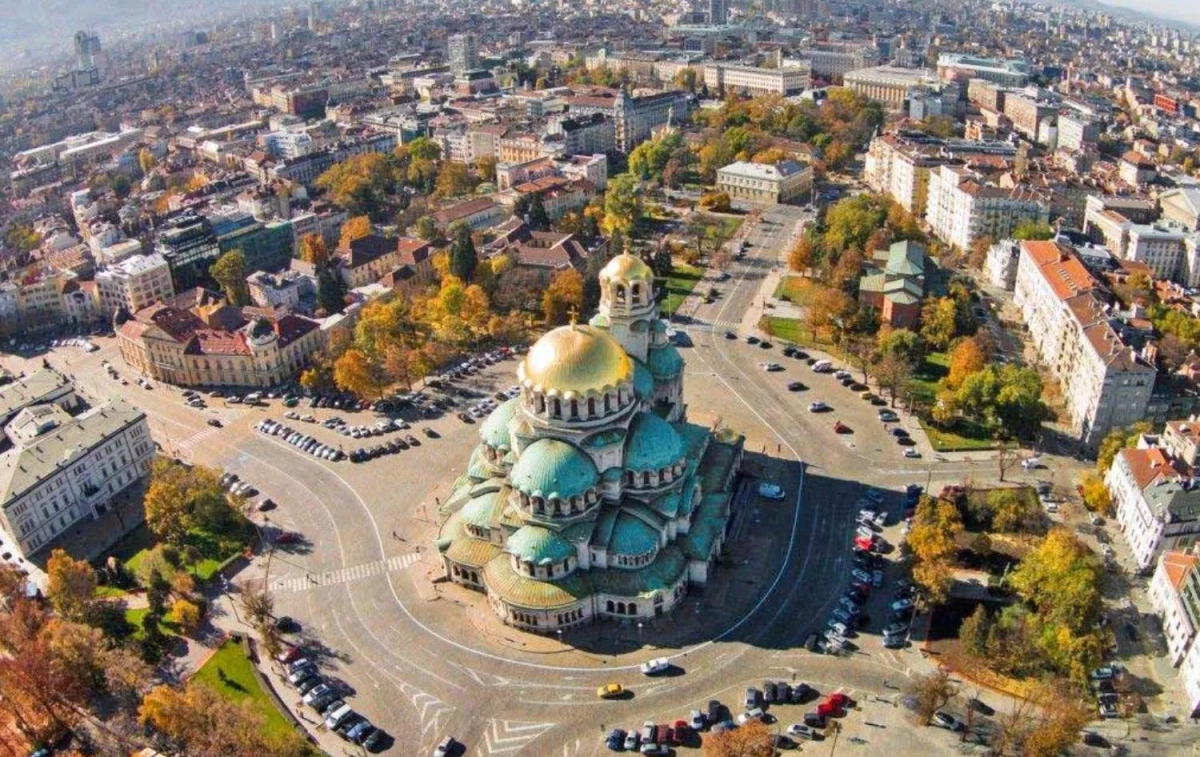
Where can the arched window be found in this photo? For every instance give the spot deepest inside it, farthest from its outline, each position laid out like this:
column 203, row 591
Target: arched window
column 574, row 410
column 620, row 608
column 609, row 607
column 633, row 608
column 591, row 407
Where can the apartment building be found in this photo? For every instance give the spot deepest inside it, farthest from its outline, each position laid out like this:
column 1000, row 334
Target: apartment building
column 1181, row 440
column 1105, row 383
column 1007, row 73
column 634, row 118
column 1181, row 206
column 365, row 260
column 899, row 167
column 1157, row 507
column 134, row 283
column 960, row 209
column 1001, row 264
column 753, row 81
column 1160, row 246
column 63, row 469
column 771, row 184
column 1077, row 132
column 1027, row 113
column 1175, row 592
column 1136, row 169
column 588, row 135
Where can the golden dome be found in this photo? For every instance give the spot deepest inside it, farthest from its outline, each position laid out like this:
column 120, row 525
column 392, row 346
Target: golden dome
column 575, row 359
column 626, row 267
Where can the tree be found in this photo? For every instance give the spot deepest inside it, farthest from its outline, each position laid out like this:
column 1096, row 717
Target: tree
column 359, row 374
column 862, row 352
column 168, row 511
column 256, row 601
column 802, row 255
column 230, row 272
column 462, row 252
column 186, row 614
column 71, row 586
column 938, row 322
column 563, row 295
column 1117, row 440
column 936, row 525
column 354, row 228
column 314, row 251
column 829, row 309
column 204, row 723
column 966, row 358
column 751, row 740
column 902, row 343
column 486, row 168
column 453, row 180
column 850, row 222
column 717, row 202
column 1095, row 494
column 931, row 692
column 1033, row 231
column 426, row 228
column 146, row 161
column 622, row 204
column 1009, row 511
column 360, row 184
column 331, row 291
column 893, row 373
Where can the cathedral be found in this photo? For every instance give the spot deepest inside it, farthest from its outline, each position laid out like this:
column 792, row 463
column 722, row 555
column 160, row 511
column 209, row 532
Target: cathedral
column 590, row 495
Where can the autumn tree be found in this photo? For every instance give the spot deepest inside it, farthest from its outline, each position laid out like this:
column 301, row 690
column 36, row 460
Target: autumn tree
column 931, row 692
column 829, row 310
column 966, row 358
column 893, row 372
column 753, row 739
column 563, row 296
column 229, row 271
column 463, row 258
column 936, row 524
column 354, row 228
column 802, row 255
column 146, row 161
column 186, row 614
column 939, row 323
column 486, row 168
column 314, row 251
column 360, row 184
column 71, row 586
column 453, row 180
column 200, row 721
column 360, row 374
column 1095, row 494
column 1115, row 441
column 1033, row 231
column 331, row 290
column 180, row 498
column 426, row 228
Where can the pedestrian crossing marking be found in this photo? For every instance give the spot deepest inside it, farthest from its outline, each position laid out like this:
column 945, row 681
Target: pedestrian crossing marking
column 198, row 437
column 345, row 575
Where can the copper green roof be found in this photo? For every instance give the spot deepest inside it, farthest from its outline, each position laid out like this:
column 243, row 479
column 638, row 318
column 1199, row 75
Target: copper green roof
column 537, row 545
column 668, row 504
column 531, row 593
column 659, row 326
column 474, row 553
column 477, row 468
column 665, row 362
column 494, row 431
column 612, row 474
column 604, row 438
column 483, row 511
column 643, row 381
column 651, row 444
column 659, row 576
column 632, row 536
column 553, row 468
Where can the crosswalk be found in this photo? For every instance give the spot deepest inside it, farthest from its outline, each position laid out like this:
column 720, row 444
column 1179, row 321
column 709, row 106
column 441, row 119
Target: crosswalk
column 193, row 440
column 700, row 324
column 345, row 575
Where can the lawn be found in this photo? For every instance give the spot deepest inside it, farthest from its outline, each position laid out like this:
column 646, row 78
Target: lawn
column 135, row 619
column 680, row 283
column 964, row 436
column 924, row 383
column 213, row 549
column 230, row 674
column 729, row 226
column 797, row 290
column 798, row 333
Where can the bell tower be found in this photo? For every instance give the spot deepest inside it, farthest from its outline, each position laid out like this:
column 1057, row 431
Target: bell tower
column 628, row 304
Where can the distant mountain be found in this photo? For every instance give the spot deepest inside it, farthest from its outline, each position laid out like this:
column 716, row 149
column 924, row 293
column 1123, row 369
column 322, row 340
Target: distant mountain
column 1132, row 14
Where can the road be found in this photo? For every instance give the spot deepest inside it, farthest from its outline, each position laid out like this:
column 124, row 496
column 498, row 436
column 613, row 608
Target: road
column 424, row 659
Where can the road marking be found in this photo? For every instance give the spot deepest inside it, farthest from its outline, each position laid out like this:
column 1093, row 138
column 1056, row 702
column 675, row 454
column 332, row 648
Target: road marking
column 504, row 736
column 344, row 575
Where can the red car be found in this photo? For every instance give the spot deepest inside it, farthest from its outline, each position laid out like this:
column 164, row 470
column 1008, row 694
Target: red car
column 288, row 654
column 680, row 732
column 841, row 428
column 826, row 710
column 840, row 701
column 864, row 542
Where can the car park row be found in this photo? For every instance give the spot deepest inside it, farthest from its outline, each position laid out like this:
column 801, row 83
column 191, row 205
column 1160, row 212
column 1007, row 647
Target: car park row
column 322, row 697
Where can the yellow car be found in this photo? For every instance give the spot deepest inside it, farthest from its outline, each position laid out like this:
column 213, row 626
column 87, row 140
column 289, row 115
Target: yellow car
column 610, row 691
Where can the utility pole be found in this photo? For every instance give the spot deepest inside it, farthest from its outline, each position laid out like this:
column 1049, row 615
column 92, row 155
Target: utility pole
column 835, row 727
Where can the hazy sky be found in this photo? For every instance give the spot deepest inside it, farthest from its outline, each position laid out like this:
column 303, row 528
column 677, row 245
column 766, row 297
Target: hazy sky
column 1182, row 10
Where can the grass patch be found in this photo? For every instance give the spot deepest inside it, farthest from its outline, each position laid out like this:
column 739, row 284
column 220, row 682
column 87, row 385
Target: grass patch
column 211, row 550
column 729, row 225
column 924, row 383
column 797, row 290
column 110, row 592
column 229, row 673
column 964, row 436
column 680, row 283
column 135, row 618
column 798, row 333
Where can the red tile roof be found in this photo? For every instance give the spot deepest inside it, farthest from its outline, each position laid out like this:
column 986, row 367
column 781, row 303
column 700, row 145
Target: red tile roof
column 1066, row 274
column 1177, row 565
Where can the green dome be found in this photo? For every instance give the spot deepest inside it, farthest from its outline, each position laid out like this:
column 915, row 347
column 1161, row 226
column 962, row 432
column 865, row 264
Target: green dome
column 659, row 326
column 643, row 382
column 665, row 362
column 477, row 468
column 538, row 545
column 494, row 431
column 479, row 512
column 633, row 536
column 652, row 444
column 551, row 468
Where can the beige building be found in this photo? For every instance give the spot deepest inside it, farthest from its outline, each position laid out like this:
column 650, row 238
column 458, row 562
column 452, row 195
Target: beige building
column 63, row 469
column 216, row 345
column 753, row 81
column 960, row 209
column 899, row 168
column 772, row 184
column 1106, row 384
column 365, row 260
column 134, row 283
column 888, row 84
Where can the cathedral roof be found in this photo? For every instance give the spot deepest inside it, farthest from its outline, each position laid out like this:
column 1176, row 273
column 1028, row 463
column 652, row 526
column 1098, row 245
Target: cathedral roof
column 665, row 362
column 494, row 431
column 626, row 267
column 651, row 444
column 577, row 359
column 538, row 545
column 552, row 468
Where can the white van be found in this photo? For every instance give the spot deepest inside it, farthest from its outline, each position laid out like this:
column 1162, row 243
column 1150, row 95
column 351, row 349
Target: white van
column 822, row 366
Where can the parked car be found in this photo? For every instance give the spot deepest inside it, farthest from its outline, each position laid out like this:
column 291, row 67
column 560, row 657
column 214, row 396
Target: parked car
column 655, row 666
column 943, row 719
column 768, row 490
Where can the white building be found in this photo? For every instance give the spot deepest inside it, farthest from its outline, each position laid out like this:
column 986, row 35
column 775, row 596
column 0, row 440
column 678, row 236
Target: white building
column 1002, row 262
column 64, row 469
column 891, row 85
column 1167, row 588
column 751, row 80
column 1157, row 507
column 771, row 184
column 134, row 283
column 1160, row 245
column 960, row 209
column 1105, row 383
